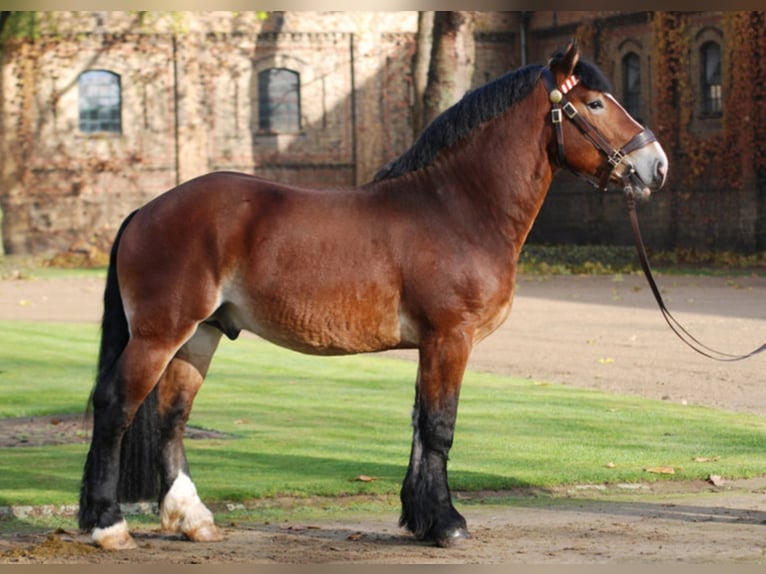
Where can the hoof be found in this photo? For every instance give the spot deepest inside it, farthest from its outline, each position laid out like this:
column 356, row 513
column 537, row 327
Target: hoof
column 205, row 533
column 453, row 538
column 115, row 537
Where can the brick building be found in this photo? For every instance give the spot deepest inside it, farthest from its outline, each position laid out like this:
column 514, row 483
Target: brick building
column 102, row 111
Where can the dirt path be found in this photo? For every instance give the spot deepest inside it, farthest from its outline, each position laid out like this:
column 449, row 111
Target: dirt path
column 597, row 332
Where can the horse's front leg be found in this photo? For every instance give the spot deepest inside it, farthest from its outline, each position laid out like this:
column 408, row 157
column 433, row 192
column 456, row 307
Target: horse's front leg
column 427, row 509
column 181, row 509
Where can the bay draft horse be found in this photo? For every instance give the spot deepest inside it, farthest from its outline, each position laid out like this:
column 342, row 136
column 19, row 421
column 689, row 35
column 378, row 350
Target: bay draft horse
column 424, row 257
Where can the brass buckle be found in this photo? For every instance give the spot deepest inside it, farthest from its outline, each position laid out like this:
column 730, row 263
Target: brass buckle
column 616, row 158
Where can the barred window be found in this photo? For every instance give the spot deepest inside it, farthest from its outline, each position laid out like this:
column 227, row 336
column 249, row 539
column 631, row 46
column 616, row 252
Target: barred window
column 279, row 105
column 100, row 101
column 631, row 84
column 712, row 100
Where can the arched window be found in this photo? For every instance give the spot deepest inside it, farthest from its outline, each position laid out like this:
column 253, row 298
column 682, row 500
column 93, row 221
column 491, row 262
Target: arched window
column 712, row 101
column 631, row 84
column 100, row 101
column 279, row 102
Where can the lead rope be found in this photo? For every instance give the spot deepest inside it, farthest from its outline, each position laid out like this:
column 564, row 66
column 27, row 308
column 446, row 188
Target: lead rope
column 674, row 325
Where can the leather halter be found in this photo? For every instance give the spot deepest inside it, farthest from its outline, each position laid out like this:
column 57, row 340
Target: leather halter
column 614, row 157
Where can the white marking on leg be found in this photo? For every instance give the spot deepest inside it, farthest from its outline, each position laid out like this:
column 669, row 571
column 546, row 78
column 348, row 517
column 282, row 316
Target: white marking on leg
column 114, row 537
column 183, row 511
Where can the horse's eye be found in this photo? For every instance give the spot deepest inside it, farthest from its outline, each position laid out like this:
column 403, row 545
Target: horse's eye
column 596, row 105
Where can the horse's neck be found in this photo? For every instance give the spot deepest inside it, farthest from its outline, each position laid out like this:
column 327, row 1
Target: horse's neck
column 503, row 170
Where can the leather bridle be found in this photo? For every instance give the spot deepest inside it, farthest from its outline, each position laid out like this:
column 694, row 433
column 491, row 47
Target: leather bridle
column 561, row 107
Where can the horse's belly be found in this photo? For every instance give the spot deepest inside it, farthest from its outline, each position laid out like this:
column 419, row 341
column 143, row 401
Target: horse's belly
column 325, row 334
column 331, row 327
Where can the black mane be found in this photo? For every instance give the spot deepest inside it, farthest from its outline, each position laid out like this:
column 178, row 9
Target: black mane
column 475, row 108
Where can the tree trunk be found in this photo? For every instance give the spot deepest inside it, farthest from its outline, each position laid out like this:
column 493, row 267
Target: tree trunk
column 420, row 68
column 452, row 62
column 3, row 19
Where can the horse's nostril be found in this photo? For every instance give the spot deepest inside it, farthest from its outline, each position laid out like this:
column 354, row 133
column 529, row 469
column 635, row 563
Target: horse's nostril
column 661, row 170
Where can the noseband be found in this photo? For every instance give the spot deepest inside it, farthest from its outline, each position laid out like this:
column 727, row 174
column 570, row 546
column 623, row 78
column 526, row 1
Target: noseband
column 614, row 157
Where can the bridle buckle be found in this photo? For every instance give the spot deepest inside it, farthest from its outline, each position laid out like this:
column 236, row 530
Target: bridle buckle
column 569, row 109
column 616, row 158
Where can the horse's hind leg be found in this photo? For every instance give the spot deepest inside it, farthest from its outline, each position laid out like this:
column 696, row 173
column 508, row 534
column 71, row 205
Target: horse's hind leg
column 427, row 509
column 181, row 508
column 116, row 399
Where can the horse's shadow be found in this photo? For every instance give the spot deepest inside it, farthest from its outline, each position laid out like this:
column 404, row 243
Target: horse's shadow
column 665, row 510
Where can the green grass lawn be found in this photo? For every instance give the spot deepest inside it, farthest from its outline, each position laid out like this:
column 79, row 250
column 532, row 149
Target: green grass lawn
column 304, row 425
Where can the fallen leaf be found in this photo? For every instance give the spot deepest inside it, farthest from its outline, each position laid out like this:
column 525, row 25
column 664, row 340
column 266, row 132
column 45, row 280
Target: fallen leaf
column 661, row 470
column 706, row 459
column 715, row 480
column 365, row 478
column 606, row 361
column 355, row 536
column 25, row 303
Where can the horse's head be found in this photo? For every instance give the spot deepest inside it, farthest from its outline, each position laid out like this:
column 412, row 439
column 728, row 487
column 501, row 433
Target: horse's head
column 593, row 134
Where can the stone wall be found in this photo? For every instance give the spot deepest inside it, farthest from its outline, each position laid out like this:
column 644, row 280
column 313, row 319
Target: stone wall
column 190, row 106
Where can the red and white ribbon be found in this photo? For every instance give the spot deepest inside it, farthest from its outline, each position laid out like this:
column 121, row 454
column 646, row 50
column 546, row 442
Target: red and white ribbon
column 570, row 83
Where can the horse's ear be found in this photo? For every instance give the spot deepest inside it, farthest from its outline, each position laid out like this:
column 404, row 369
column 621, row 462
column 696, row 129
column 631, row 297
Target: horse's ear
column 563, row 64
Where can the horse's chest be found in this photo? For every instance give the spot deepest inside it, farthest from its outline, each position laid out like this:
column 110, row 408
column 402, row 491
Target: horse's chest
column 494, row 319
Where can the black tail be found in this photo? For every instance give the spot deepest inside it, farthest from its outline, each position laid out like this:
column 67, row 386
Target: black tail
column 140, row 455
column 114, row 325
column 139, row 458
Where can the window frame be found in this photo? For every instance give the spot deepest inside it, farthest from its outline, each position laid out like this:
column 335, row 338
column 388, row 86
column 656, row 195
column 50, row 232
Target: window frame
column 287, row 121
column 106, row 114
column 631, row 60
column 711, row 92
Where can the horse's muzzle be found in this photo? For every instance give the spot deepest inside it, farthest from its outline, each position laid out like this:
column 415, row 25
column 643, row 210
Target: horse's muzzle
column 645, row 170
